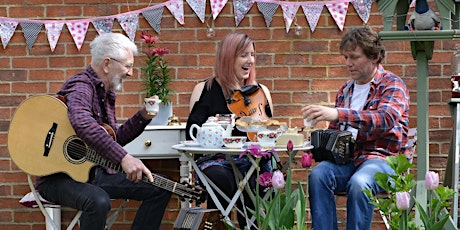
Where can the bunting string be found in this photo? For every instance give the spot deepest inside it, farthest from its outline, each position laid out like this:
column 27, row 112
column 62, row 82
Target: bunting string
column 129, row 21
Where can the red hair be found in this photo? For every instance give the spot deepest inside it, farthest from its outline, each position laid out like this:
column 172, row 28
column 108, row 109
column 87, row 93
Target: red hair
column 231, row 46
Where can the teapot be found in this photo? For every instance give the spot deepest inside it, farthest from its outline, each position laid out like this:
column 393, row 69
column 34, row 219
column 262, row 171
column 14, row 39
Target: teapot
column 210, row 135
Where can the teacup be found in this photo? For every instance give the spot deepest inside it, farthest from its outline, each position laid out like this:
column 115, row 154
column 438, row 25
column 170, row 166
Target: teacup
column 235, row 142
column 152, row 105
column 267, row 138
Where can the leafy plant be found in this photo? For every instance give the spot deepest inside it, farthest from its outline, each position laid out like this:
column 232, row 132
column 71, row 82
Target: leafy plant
column 156, row 76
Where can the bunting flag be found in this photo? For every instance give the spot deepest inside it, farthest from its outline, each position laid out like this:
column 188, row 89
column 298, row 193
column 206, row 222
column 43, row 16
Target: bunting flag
column 363, row 7
column 103, row 26
column 177, row 10
column 338, row 12
column 153, row 17
column 129, row 21
column 31, row 31
column 53, row 32
column 7, row 29
column 216, row 7
column 199, row 7
column 78, row 31
column 312, row 13
column 289, row 12
column 241, row 8
column 268, row 10
column 129, row 24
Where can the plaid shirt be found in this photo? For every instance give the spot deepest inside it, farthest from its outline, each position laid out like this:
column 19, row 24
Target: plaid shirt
column 85, row 95
column 383, row 123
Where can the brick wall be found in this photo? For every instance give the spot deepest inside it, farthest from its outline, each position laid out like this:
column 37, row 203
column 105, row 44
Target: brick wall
column 297, row 70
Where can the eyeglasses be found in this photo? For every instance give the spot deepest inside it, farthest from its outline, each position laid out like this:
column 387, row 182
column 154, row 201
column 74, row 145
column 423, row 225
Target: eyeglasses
column 127, row 66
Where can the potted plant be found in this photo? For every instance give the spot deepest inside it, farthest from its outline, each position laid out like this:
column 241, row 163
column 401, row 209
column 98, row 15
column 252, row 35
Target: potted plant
column 156, row 78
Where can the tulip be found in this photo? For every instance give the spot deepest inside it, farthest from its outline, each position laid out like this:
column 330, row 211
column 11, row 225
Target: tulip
column 402, row 200
column 431, row 180
column 290, row 146
column 306, row 160
column 265, row 179
column 278, row 180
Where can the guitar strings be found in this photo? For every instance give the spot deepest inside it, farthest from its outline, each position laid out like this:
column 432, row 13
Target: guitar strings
column 77, row 150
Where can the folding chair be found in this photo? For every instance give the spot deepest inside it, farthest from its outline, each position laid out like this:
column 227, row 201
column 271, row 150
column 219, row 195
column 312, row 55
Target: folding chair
column 52, row 212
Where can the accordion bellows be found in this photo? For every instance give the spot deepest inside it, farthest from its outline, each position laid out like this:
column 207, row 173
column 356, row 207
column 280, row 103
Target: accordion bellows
column 332, row 145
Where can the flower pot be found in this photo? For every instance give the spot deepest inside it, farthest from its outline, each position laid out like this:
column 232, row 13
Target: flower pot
column 162, row 117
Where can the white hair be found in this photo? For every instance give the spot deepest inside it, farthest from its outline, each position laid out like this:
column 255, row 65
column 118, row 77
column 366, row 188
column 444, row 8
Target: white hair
column 112, row 45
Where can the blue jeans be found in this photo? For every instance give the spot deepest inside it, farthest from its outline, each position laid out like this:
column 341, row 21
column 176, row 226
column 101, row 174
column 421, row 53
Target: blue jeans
column 94, row 198
column 327, row 178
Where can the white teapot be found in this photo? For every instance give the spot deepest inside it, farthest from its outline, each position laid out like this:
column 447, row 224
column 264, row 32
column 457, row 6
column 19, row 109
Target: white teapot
column 210, row 135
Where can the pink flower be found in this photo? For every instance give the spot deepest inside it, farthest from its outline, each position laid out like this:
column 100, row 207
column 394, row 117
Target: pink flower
column 148, row 39
column 161, row 51
column 256, row 151
column 306, row 160
column 431, row 180
column 278, row 180
column 402, row 200
column 290, row 146
column 265, row 179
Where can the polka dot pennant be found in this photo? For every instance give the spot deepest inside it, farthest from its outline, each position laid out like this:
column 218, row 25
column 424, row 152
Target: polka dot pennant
column 217, row 6
column 338, row 12
column 312, row 13
column 78, row 31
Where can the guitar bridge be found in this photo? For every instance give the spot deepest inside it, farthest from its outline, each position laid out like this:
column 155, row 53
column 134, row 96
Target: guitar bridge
column 49, row 139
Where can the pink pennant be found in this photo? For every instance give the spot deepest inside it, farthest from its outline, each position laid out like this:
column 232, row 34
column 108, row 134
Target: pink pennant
column 7, row 29
column 217, row 6
column 78, row 29
column 312, row 13
column 289, row 12
column 338, row 12
column 53, row 32
column 177, row 10
column 129, row 24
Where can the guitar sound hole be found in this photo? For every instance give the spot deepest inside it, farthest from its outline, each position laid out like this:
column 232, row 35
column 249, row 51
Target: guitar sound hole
column 75, row 150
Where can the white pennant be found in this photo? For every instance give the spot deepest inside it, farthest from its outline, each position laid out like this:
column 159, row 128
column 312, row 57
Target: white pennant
column 78, row 29
column 129, row 24
column 217, row 6
column 177, row 10
column 289, row 12
column 7, row 29
column 53, row 32
column 199, row 7
column 338, row 12
column 312, row 13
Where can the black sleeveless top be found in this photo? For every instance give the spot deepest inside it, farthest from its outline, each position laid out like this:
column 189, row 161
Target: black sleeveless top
column 212, row 102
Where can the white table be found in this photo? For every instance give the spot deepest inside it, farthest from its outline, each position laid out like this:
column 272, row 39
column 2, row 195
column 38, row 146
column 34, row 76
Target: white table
column 189, row 151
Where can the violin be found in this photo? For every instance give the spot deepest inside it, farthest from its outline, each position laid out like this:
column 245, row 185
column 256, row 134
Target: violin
column 249, row 101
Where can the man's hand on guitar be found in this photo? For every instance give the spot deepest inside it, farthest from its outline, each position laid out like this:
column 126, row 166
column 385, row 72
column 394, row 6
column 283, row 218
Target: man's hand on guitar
column 134, row 168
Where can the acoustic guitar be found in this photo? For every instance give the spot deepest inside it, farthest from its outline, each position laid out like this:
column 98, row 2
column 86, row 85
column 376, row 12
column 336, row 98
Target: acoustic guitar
column 41, row 141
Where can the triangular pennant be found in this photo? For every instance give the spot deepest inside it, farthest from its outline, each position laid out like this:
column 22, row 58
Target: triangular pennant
column 338, row 12
column 129, row 24
column 31, row 31
column 53, row 32
column 289, row 12
column 103, row 26
column 153, row 17
column 241, row 8
column 312, row 13
column 7, row 29
column 268, row 10
column 216, row 7
column 177, row 10
column 199, row 7
column 78, row 29
column 363, row 7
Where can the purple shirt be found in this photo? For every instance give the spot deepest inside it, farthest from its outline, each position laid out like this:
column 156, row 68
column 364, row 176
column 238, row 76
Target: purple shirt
column 85, row 96
column 383, row 123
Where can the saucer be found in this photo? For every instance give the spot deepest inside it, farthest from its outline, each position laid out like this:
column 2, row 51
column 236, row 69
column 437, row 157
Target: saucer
column 190, row 143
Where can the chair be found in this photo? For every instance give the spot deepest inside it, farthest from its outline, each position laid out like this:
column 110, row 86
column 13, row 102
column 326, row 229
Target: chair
column 52, row 212
column 411, row 143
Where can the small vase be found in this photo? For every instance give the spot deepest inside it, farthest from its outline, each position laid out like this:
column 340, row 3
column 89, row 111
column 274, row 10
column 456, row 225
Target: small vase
column 163, row 115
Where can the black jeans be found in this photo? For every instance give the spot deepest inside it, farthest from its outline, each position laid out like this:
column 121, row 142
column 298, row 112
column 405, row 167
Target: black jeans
column 94, row 198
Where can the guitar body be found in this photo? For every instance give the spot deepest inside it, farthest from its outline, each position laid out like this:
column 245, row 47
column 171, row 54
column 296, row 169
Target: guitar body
column 27, row 137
